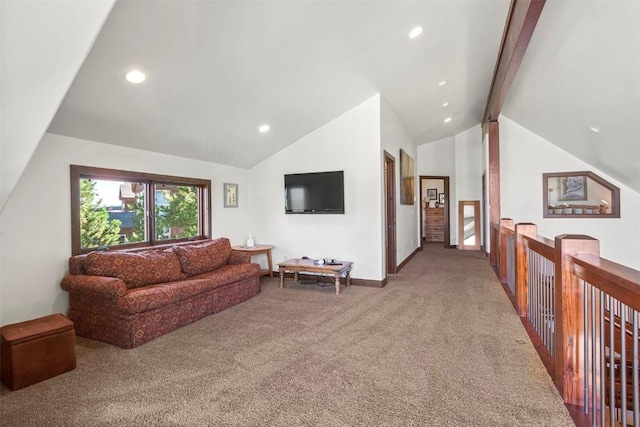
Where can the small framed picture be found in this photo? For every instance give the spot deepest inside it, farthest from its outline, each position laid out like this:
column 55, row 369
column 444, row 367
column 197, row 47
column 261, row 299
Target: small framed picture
column 573, row 188
column 441, row 198
column 432, row 193
column 230, row 195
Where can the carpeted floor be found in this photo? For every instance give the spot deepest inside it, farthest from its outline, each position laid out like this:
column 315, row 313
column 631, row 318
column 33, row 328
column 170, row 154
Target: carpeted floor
column 440, row 345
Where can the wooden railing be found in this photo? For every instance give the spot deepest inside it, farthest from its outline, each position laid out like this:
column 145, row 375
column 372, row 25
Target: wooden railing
column 584, row 310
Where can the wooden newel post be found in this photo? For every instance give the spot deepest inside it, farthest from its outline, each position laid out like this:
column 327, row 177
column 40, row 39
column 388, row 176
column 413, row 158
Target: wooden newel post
column 522, row 266
column 569, row 320
column 502, row 249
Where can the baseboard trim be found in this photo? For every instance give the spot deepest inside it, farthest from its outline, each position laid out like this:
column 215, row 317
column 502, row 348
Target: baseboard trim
column 369, row 283
column 407, row 259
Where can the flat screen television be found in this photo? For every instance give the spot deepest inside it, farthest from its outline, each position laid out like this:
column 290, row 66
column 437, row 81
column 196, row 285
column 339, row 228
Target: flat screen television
column 314, row 193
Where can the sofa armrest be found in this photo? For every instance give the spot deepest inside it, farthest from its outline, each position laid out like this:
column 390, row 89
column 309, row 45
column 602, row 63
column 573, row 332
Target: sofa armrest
column 239, row 257
column 100, row 286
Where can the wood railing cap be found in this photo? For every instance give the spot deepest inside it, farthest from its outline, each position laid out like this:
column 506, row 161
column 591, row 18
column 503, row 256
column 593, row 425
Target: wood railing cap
column 574, row 237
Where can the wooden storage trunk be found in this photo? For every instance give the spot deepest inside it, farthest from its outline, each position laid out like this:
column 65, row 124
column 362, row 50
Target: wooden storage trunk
column 37, row 350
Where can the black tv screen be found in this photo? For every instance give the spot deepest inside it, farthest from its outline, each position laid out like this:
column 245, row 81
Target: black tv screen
column 314, row 193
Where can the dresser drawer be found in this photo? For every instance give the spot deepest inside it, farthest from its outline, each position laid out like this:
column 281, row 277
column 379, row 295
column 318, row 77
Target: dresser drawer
column 435, row 229
column 435, row 221
column 435, row 212
column 434, row 237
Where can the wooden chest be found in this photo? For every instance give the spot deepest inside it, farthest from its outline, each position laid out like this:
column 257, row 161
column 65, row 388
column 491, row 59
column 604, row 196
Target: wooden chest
column 435, row 224
column 37, row 350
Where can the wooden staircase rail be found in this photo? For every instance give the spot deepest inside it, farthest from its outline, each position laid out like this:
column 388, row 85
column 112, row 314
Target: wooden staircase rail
column 619, row 281
column 577, row 263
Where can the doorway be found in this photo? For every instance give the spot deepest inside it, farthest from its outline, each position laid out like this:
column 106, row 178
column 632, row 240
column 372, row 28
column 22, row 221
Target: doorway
column 390, row 213
column 435, row 204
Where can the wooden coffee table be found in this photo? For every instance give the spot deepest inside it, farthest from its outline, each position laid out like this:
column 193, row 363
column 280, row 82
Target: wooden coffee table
column 299, row 265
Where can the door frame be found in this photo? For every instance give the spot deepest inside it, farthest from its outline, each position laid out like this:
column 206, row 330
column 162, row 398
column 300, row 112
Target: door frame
column 389, row 173
column 447, row 231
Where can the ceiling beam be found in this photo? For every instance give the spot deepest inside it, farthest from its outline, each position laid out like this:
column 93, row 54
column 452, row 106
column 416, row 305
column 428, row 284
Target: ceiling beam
column 521, row 21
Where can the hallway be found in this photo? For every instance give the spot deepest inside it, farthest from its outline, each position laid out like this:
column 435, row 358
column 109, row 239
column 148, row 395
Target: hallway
column 476, row 337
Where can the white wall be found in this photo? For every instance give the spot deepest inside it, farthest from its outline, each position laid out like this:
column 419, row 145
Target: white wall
column 438, row 158
column 468, row 157
column 36, row 226
column 393, row 138
column 524, row 157
column 460, row 158
column 43, row 45
column 350, row 143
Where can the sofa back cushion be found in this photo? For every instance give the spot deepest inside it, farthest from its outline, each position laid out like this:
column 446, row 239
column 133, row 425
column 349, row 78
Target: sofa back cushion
column 198, row 259
column 135, row 269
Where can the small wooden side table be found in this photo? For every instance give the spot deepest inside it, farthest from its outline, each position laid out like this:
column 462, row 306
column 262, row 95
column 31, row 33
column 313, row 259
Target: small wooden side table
column 257, row 250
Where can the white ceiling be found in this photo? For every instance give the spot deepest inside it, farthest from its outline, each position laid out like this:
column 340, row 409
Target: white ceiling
column 217, row 70
column 582, row 69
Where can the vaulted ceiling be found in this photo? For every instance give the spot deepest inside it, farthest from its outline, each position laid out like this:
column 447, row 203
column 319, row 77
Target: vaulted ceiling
column 217, row 70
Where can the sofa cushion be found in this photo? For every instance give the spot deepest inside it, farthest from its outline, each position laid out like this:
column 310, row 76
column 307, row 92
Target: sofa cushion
column 161, row 295
column 135, row 269
column 198, row 259
column 230, row 273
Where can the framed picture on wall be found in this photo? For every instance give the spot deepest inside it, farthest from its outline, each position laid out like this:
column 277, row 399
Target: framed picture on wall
column 432, row 193
column 573, row 188
column 230, row 195
column 441, row 198
column 406, row 179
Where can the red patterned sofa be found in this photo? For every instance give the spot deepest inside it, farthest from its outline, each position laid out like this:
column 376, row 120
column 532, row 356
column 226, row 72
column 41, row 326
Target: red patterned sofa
column 127, row 298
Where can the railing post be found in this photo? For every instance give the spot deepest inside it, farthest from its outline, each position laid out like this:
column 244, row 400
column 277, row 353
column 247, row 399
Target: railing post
column 522, row 266
column 493, row 248
column 569, row 318
column 502, row 249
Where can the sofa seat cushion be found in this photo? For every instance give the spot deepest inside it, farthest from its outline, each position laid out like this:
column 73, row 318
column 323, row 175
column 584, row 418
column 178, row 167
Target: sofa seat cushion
column 156, row 296
column 230, row 274
column 198, row 259
column 135, row 269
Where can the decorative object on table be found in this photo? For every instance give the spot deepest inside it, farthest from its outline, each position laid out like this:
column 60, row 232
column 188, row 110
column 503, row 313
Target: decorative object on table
column 250, row 242
column 406, row 179
column 432, row 193
column 230, row 195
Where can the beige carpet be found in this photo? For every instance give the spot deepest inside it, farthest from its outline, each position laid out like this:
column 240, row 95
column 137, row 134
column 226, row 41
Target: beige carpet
column 440, row 345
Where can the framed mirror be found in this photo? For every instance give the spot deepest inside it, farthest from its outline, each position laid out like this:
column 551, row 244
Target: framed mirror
column 469, row 225
column 579, row 195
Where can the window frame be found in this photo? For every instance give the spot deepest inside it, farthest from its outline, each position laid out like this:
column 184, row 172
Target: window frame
column 150, row 180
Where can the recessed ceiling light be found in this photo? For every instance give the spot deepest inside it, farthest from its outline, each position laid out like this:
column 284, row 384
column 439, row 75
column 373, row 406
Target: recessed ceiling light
column 264, row 128
column 595, row 129
column 415, row 32
column 445, row 104
column 447, row 120
column 135, row 76
column 442, row 83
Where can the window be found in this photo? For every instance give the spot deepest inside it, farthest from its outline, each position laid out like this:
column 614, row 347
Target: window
column 112, row 208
